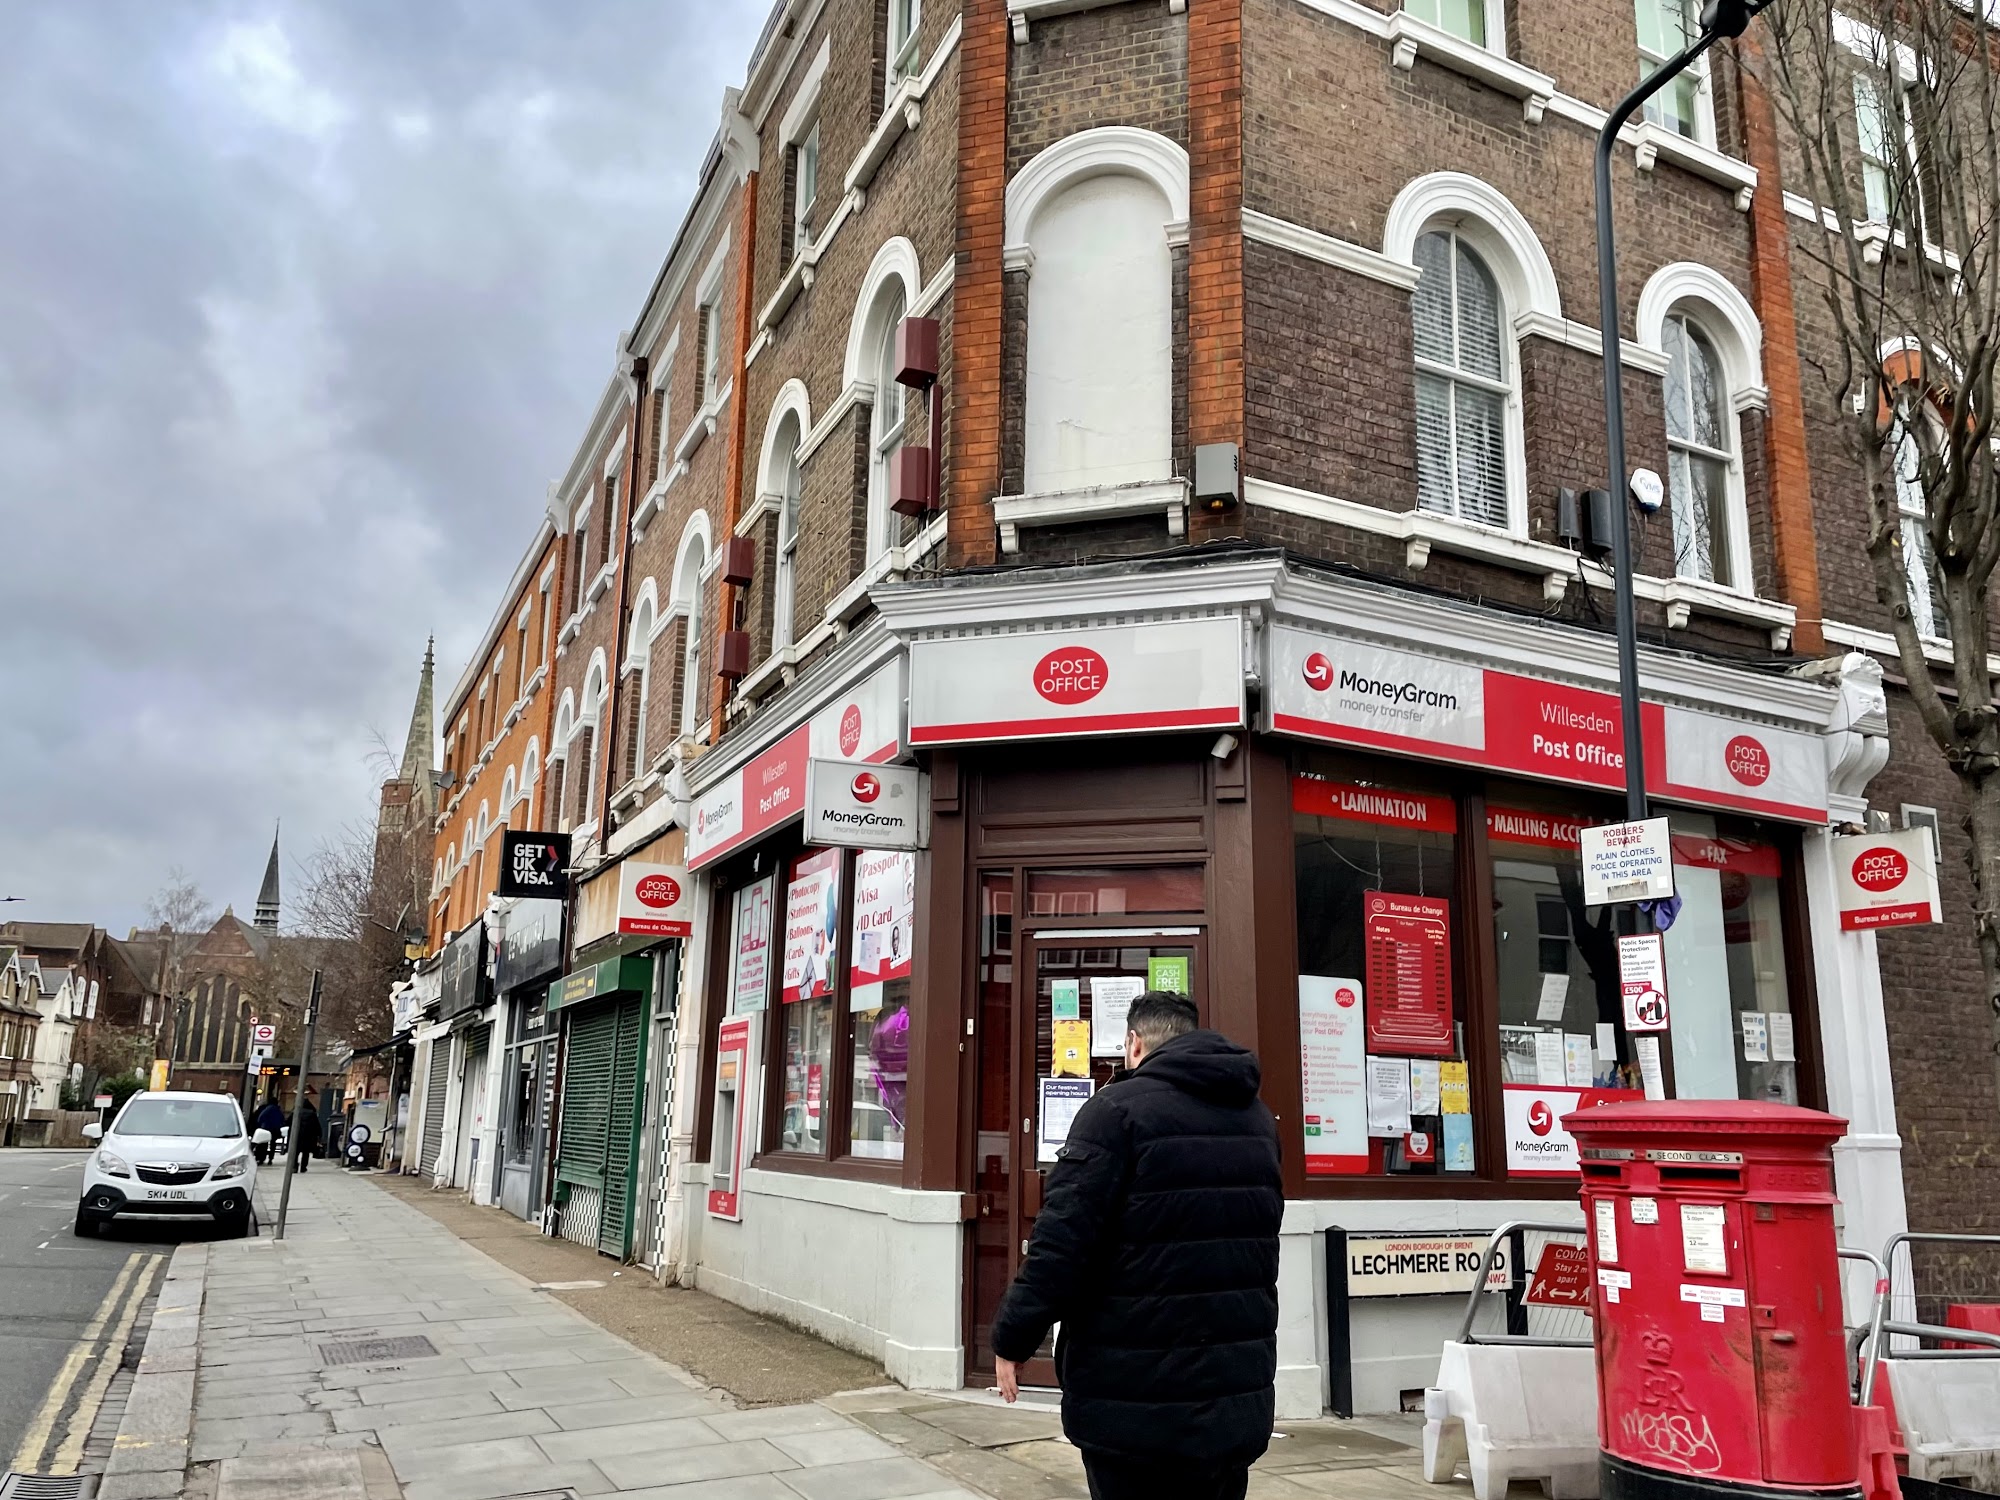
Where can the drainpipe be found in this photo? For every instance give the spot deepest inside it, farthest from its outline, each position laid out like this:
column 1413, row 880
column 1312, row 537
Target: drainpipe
column 615, row 688
column 732, row 494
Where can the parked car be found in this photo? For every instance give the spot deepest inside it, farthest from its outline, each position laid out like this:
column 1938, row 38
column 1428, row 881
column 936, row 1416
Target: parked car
column 171, row 1153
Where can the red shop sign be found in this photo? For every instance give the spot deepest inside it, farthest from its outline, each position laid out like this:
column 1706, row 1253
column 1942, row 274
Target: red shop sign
column 1372, row 804
column 1409, row 973
column 1513, row 825
column 1562, row 1277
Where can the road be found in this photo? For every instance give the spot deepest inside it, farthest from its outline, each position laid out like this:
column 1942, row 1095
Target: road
column 67, row 1306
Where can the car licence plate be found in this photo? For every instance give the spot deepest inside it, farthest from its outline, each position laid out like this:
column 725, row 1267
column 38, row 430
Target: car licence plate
column 178, row 1193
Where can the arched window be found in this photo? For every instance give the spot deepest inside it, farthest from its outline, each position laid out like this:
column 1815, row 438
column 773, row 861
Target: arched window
column 1093, row 220
column 1464, row 382
column 507, row 794
column 555, row 804
column 638, row 680
column 888, row 421
column 586, row 744
column 784, row 572
column 531, row 769
column 1701, row 456
column 687, row 594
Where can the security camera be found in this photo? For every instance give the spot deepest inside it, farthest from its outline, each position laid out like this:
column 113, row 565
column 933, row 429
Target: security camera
column 1649, row 492
column 1224, row 746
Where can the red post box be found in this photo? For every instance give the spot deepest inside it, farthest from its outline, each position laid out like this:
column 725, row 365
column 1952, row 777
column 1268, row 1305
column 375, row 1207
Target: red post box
column 1721, row 1356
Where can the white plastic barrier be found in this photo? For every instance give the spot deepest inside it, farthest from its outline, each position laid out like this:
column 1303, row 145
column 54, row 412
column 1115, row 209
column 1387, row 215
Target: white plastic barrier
column 1514, row 1411
column 1949, row 1410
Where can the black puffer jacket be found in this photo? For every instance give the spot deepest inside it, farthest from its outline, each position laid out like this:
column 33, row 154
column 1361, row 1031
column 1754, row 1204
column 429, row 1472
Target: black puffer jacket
column 1157, row 1251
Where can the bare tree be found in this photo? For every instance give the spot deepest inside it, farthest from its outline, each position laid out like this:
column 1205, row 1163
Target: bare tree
column 181, row 916
column 1892, row 116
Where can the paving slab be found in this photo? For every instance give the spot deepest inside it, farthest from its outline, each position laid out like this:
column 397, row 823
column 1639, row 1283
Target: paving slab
column 648, row 1472
column 599, row 1443
column 877, row 1479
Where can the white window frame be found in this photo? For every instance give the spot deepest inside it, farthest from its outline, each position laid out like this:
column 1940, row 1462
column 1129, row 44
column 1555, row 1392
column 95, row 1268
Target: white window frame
column 688, row 591
column 806, row 182
column 784, row 571
column 1698, row 70
column 1507, row 387
column 888, row 419
column 1913, row 525
column 711, row 348
column 639, row 672
column 663, row 440
column 1735, row 538
column 1495, row 17
column 900, row 51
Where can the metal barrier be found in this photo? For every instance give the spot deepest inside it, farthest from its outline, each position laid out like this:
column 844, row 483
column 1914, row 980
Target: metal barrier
column 1948, row 1410
column 1557, row 1327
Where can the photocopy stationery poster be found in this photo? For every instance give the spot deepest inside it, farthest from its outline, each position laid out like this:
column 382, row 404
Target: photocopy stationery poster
column 1333, row 1059
column 812, row 931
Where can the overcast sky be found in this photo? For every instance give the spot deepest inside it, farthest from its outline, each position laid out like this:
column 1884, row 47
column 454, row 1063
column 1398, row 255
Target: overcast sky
column 301, row 308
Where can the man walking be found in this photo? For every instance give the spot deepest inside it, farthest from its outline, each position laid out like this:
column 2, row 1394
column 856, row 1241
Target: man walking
column 1157, row 1251
column 306, row 1147
column 271, row 1124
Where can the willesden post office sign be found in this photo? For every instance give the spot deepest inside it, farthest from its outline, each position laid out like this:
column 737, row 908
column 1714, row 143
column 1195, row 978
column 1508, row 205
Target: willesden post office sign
column 1417, row 1265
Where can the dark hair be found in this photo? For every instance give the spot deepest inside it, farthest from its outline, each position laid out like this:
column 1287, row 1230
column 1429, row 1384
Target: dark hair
column 1160, row 1015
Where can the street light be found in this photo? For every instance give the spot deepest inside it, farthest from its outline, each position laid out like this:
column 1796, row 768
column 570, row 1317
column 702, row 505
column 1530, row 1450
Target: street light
column 1719, row 18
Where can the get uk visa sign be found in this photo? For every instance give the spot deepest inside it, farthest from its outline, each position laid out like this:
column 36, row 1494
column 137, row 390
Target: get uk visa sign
column 1886, row 879
column 1092, row 679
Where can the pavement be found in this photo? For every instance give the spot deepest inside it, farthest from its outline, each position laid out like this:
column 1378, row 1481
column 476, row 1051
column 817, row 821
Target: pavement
column 68, row 1307
column 265, row 1374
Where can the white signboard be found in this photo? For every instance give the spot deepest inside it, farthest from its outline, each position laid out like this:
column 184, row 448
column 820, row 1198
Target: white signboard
column 1100, row 679
column 1333, row 1059
column 655, row 900
column 1642, row 980
column 263, row 1035
column 1886, row 879
column 750, row 936
column 1422, row 1264
column 1628, row 862
column 865, row 807
column 1537, row 1144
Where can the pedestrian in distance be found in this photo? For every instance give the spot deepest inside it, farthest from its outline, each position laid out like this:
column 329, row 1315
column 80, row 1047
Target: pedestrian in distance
column 270, row 1124
column 305, row 1145
column 1156, row 1250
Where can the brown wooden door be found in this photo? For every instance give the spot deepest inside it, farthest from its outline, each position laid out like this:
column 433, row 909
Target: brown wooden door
column 1019, row 1043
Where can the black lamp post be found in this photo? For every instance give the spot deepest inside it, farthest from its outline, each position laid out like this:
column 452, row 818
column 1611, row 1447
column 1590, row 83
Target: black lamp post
column 1719, row 18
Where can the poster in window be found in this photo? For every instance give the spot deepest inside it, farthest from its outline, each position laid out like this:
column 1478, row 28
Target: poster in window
column 812, row 926
column 750, row 978
column 1409, row 973
column 885, row 924
column 1334, row 1063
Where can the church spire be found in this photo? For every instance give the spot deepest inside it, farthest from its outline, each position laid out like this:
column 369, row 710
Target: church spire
column 419, row 768
column 267, row 898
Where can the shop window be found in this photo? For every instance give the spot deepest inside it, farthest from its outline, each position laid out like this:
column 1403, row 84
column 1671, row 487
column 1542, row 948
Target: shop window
column 1734, row 1036
column 878, row 1000
column 1144, row 891
column 1382, row 1033
column 809, row 979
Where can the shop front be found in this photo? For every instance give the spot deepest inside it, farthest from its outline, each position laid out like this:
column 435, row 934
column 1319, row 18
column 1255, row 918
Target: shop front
column 528, row 958
column 1345, row 819
column 808, row 1065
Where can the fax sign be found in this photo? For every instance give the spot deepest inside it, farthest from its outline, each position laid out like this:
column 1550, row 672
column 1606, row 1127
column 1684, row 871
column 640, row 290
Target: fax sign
column 534, row 864
column 1627, row 862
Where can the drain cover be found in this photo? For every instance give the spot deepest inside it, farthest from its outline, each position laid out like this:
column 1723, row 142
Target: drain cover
column 47, row 1486
column 361, row 1352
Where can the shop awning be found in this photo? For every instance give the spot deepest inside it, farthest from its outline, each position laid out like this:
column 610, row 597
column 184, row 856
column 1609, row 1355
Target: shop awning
column 632, row 972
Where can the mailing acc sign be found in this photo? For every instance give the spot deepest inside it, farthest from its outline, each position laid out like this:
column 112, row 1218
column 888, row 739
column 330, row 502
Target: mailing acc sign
column 864, row 807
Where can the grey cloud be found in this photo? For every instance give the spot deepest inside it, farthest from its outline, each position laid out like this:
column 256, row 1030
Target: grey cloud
column 302, row 306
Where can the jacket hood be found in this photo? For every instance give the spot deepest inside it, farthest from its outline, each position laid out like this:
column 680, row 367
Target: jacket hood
column 1208, row 1065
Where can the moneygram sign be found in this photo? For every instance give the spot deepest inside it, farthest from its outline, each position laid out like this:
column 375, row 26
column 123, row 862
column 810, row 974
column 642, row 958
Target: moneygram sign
column 865, row 807
column 1345, row 691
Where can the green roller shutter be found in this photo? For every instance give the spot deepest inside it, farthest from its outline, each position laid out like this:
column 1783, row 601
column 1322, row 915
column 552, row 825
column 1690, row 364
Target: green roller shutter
column 621, row 1157
column 586, row 1095
column 598, row 1142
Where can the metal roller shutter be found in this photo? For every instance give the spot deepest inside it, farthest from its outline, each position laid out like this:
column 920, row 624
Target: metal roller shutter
column 434, row 1091
column 597, row 1141
column 621, row 1155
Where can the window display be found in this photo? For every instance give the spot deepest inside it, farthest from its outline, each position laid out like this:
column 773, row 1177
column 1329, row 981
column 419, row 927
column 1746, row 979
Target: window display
column 1384, row 1072
column 878, row 990
column 811, row 973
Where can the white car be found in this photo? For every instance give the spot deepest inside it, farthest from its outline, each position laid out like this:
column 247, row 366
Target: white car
column 171, row 1153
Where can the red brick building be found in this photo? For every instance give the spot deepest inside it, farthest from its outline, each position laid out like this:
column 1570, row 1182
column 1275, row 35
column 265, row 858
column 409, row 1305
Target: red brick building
column 1250, row 649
